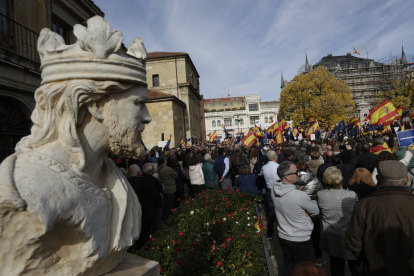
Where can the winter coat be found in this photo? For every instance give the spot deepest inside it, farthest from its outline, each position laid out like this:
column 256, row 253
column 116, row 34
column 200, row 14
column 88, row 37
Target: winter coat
column 311, row 184
column 167, row 177
column 247, row 183
column 367, row 160
column 400, row 154
column 210, row 176
column 380, row 233
column 179, row 181
column 336, row 207
column 196, row 174
column 407, row 157
column 314, row 165
column 362, row 189
column 291, row 206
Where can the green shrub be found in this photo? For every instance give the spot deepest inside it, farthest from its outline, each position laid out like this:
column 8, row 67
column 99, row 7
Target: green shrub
column 211, row 234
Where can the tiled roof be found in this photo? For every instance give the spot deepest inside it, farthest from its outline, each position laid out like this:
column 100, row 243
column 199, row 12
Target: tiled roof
column 164, row 54
column 154, row 94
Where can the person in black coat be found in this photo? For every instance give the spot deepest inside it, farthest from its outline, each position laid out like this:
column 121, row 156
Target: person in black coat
column 322, row 168
column 347, row 170
column 367, row 159
column 361, row 183
column 157, row 213
column 346, row 155
column 146, row 194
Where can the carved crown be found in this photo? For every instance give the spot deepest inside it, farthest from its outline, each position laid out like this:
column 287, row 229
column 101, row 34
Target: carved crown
column 96, row 55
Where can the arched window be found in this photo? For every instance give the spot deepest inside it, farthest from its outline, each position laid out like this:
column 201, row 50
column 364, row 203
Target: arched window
column 266, row 120
column 218, row 123
column 213, row 123
column 241, row 122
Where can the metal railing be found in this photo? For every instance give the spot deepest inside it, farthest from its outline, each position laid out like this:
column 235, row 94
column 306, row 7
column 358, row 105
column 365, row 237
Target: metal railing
column 16, row 38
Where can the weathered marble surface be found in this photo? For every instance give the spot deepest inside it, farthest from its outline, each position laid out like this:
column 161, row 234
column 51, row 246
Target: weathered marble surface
column 65, row 209
column 133, row 265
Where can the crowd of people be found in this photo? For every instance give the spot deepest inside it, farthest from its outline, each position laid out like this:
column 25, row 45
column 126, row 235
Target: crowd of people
column 327, row 196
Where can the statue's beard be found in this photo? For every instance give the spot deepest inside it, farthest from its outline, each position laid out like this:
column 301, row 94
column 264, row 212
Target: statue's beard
column 124, row 141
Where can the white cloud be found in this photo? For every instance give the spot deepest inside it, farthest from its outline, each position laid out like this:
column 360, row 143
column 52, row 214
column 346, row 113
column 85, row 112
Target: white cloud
column 241, row 47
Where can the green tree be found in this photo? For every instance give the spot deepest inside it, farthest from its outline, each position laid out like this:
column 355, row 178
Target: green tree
column 330, row 98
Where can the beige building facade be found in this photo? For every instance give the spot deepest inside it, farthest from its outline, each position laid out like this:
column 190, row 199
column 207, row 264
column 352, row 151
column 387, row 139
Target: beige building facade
column 20, row 24
column 174, row 73
column 238, row 114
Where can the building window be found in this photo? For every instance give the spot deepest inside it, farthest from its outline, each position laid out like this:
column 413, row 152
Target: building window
column 232, row 99
column 211, row 100
column 266, row 120
column 224, row 104
column 237, row 98
column 59, row 28
column 228, row 122
column 218, row 123
column 241, row 122
column 253, row 107
column 155, row 80
column 216, row 100
column 253, row 119
column 213, row 123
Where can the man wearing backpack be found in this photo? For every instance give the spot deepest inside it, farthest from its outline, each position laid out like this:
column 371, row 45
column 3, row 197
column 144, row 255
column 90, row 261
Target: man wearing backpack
column 222, row 168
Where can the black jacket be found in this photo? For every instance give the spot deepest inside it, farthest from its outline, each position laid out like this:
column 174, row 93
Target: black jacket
column 347, row 170
column 146, row 193
column 322, row 168
column 367, row 160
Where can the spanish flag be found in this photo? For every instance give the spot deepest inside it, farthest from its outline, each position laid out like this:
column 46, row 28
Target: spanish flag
column 355, row 120
column 314, row 128
column 182, row 143
column 258, row 225
column 380, row 111
column 387, row 120
column 249, row 139
column 282, row 123
column 378, row 149
column 331, row 127
column 257, row 132
column 403, row 126
column 223, row 126
column 278, row 136
column 271, row 119
column 411, row 116
column 295, row 132
column 356, row 52
column 386, row 129
column 311, row 119
column 213, row 136
column 272, row 128
column 208, row 135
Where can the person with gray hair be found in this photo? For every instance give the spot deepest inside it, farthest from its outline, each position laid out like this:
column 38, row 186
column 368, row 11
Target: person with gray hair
column 380, row 233
column 135, row 171
column 293, row 208
column 210, row 176
column 269, row 171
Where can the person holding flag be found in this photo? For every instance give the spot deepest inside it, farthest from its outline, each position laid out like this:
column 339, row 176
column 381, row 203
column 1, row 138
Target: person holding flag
column 313, row 128
column 168, row 142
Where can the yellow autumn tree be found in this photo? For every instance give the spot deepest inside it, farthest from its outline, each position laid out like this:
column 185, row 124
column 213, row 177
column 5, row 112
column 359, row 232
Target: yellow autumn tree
column 398, row 87
column 330, row 98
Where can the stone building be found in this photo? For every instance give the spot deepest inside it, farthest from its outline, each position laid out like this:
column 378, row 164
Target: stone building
column 361, row 74
column 174, row 73
column 20, row 24
column 167, row 118
column 238, row 114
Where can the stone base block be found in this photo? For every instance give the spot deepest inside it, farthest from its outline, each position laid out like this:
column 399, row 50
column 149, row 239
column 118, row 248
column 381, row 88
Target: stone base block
column 134, row 265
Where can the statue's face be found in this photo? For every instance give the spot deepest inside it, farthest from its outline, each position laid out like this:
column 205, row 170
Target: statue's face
column 125, row 116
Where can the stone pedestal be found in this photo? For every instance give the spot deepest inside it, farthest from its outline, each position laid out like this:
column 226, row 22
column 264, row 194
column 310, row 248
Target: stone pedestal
column 134, row 265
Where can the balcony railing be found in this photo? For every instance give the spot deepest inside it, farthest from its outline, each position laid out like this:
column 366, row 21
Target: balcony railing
column 18, row 39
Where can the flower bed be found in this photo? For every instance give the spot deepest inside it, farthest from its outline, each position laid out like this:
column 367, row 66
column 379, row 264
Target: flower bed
column 211, row 234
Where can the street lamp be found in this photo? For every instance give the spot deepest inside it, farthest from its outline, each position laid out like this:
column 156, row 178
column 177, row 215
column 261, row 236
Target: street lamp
column 238, row 124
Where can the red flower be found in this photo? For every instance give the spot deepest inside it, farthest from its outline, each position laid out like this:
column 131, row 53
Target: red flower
column 211, row 196
column 173, row 242
column 216, row 208
column 187, row 202
column 228, row 215
column 213, row 247
column 224, row 246
column 180, row 263
column 193, row 243
column 242, row 235
column 178, row 241
column 244, row 209
column 174, row 210
column 218, row 223
column 228, row 240
column 153, row 239
column 160, row 269
column 181, row 234
column 212, row 184
column 221, row 219
column 244, row 254
column 227, row 205
column 219, row 263
column 152, row 247
column 219, row 192
column 178, row 199
column 241, row 194
column 235, row 212
column 178, row 249
column 190, row 198
column 207, row 190
column 206, row 197
column 250, row 201
column 199, row 193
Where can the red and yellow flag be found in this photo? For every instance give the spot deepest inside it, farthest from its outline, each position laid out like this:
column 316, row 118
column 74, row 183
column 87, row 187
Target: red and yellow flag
column 386, row 129
column 380, row 111
column 295, row 132
column 331, row 127
column 258, row 225
column 257, row 132
column 223, row 126
column 182, row 143
column 311, row 119
column 314, row 128
column 272, row 128
column 356, row 52
column 378, row 149
column 403, row 126
column 388, row 119
column 278, row 136
column 249, row 139
column 411, row 116
column 271, row 119
column 208, row 135
column 213, row 136
column 281, row 123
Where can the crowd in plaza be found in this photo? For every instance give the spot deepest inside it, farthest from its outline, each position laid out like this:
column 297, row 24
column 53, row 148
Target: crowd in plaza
column 336, row 196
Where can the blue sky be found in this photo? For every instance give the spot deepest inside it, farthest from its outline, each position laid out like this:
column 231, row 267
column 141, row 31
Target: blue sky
column 240, row 47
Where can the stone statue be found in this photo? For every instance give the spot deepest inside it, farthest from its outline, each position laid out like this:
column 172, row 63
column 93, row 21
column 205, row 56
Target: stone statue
column 65, row 208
